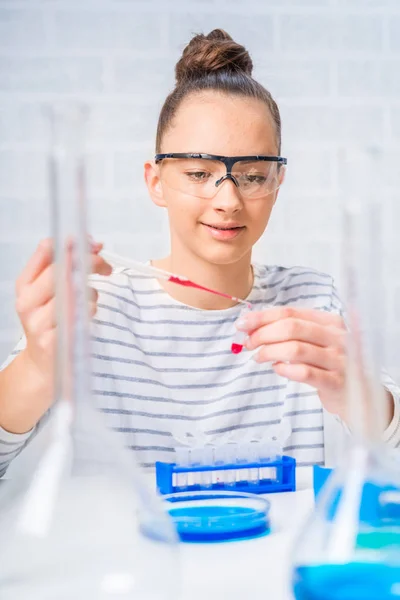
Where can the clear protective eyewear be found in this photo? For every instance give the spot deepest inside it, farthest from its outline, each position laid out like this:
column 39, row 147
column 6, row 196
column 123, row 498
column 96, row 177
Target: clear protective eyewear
column 201, row 175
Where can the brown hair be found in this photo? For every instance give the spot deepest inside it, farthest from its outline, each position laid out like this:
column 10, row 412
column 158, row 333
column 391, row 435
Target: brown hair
column 214, row 62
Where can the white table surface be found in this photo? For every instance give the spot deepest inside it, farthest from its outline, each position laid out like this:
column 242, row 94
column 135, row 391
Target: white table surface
column 250, row 569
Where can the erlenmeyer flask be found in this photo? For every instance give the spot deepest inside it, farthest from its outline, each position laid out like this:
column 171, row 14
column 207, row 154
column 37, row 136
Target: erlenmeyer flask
column 350, row 547
column 83, row 525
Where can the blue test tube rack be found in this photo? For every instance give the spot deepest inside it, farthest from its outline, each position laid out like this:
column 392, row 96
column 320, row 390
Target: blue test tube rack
column 284, row 481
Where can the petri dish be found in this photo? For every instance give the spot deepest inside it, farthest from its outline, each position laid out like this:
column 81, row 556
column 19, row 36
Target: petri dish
column 205, row 516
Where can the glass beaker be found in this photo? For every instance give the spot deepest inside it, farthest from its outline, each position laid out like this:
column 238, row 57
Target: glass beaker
column 83, row 524
column 350, row 546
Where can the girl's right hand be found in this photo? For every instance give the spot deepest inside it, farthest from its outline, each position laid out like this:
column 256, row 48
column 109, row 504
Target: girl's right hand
column 35, row 304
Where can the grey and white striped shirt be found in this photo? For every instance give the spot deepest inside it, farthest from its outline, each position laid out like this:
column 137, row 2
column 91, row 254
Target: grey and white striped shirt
column 162, row 369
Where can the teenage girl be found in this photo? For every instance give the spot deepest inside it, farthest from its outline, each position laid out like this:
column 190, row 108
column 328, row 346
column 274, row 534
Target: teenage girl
column 161, row 354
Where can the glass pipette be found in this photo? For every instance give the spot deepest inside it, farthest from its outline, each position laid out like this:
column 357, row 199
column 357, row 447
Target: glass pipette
column 128, row 264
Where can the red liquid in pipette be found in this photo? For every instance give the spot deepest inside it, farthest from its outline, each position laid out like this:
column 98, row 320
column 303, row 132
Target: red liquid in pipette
column 188, row 283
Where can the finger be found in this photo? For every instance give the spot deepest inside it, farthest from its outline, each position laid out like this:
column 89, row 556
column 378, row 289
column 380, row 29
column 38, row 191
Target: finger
column 71, row 244
column 41, row 291
column 37, row 293
column 299, row 330
column 96, row 247
column 301, row 353
column 92, row 309
column 41, row 258
column 100, row 266
column 254, row 320
column 44, row 318
column 93, row 295
column 322, row 380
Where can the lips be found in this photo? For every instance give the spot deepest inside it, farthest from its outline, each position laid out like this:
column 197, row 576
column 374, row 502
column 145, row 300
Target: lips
column 224, row 226
column 224, row 231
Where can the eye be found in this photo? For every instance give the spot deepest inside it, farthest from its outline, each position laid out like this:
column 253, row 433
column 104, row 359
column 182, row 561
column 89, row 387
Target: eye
column 252, row 178
column 198, row 176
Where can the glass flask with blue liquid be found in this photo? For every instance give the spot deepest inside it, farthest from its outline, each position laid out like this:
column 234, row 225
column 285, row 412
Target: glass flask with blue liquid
column 81, row 523
column 350, row 547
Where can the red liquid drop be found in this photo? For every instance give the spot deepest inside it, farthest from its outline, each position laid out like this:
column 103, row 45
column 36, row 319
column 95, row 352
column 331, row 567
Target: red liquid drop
column 236, row 348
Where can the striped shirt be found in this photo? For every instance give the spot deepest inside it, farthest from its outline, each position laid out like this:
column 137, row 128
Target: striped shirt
column 163, row 370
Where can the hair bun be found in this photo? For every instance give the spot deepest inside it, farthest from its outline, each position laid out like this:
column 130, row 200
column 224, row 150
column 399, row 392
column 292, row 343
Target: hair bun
column 210, row 53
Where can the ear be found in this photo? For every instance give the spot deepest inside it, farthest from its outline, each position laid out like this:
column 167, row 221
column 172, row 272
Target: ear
column 152, row 178
column 282, row 175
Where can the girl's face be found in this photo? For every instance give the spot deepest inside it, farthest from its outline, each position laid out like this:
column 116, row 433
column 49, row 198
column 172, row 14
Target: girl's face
column 222, row 229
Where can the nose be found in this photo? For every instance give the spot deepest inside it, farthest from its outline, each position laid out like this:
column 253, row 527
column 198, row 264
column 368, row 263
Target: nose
column 227, row 199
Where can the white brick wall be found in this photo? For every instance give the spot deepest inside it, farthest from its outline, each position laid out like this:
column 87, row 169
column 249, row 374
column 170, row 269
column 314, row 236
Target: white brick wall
column 333, row 66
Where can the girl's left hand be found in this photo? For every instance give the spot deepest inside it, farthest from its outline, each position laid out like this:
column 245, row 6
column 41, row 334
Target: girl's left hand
column 304, row 345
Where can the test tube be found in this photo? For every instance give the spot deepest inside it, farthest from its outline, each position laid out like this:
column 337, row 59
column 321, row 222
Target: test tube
column 182, row 459
column 207, row 459
column 242, row 475
column 284, row 433
column 276, row 448
column 238, row 342
column 267, row 454
column 240, row 336
column 253, row 449
column 196, row 459
column 218, row 477
column 230, row 459
column 225, row 455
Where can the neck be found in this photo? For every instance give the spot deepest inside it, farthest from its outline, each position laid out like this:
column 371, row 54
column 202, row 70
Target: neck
column 235, row 279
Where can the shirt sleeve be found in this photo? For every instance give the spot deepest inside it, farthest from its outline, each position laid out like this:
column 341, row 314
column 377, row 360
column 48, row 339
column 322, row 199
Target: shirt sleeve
column 391, row 435
column 11, row 444
column 18, row 348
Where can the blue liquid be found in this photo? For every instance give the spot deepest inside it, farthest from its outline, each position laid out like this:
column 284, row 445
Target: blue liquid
column 351, row 581
column 217, row 523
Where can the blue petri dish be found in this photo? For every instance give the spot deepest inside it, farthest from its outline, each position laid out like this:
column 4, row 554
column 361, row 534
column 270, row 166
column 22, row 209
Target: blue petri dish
column 218, row 516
